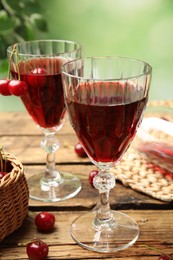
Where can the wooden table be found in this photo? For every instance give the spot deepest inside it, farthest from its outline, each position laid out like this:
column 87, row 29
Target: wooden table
column 20, row 136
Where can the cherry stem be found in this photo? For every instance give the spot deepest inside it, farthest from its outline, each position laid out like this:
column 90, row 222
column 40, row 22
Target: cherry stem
column 157, row 250
column 26, row 243
column 14, row 52
column 17, row 66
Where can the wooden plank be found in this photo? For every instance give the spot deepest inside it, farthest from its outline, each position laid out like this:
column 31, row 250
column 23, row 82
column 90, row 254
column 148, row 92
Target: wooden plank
column 121, row 197
column 20, row 123
column 156, row 229
column 20, row 136
column 27, row 149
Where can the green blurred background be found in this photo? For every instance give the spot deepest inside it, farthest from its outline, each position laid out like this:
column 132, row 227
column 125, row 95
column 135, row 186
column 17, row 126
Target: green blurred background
column 141, row 29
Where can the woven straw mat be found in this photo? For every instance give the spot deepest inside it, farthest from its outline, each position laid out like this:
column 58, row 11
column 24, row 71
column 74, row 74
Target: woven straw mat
column 135, row 171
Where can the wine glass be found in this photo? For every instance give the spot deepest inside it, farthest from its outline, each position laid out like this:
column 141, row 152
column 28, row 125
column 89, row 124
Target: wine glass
column 105, row 99
column 38, row 63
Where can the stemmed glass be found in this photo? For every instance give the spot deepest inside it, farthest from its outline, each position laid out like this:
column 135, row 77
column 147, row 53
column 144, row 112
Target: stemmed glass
column 105, row 99
column 38, row 63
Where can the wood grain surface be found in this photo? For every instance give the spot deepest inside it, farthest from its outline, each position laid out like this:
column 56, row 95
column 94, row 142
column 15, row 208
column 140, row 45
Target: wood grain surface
column 20, row 136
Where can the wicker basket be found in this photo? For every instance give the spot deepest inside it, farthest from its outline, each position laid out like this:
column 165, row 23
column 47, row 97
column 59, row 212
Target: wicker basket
column 14, row 197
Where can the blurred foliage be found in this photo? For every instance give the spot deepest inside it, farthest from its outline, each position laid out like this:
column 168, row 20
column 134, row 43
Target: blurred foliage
column 19, row 20
column 141, row 29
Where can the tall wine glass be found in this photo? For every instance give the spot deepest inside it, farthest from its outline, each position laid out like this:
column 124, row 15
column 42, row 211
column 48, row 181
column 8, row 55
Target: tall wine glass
column 105, row 99
column 38, row 63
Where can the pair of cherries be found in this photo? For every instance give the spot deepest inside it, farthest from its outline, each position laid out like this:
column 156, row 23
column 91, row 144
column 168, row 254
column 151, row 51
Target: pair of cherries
column 38, row 249
column 15, row 87
column 79, row 150
column 18, row 87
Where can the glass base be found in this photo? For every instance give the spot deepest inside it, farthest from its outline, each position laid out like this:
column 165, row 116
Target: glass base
column 122, row 234
column 67, row 188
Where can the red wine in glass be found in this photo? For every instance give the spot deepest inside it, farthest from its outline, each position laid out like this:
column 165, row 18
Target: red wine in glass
column 38, row 64
column 105, row 99
column 44, row 100
column 105, row 129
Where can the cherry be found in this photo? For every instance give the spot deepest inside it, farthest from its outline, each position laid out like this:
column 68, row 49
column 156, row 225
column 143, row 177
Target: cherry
column 92, row 174
column 18, row 87
column 38, row 71
column 2, row 174
column 80, row 150
column 45, row 221
column 37, row 250
column 37, row 77
column 4, row 90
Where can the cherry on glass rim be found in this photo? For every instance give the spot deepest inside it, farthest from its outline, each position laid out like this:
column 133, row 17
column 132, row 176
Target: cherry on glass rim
column 4, row 88
column 18, row 87
column 37, row 250
column 45, row 221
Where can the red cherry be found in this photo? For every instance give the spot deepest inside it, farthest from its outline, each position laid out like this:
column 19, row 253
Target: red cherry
column 37, row 250
column 164, row 257
column 92, row 174
column 4, row 89
column 18, row 87
column 39, row 71
column 45, row 221
column 80, row 150
column 37, row 77
column 2, row 174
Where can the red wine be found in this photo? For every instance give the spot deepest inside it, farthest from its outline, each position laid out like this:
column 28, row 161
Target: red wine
column 44, row 100
column 104, row 125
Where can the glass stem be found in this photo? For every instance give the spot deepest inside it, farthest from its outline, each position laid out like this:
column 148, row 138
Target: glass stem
column 50, row 144
column 50, row 173
column 104, row 182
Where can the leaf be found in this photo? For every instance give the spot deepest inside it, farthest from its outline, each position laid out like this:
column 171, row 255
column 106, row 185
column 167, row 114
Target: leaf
column 8, row 7
column 3, row 66
column 7, row 24
column 39, row 22
column 14, row 7
column 21, row 7
column 17, row 37
column 19, row 20
column 28, row 31
column 3, row 53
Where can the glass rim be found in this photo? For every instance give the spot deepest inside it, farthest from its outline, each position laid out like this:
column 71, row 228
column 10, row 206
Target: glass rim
column 149, row 71
column 10, row 48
